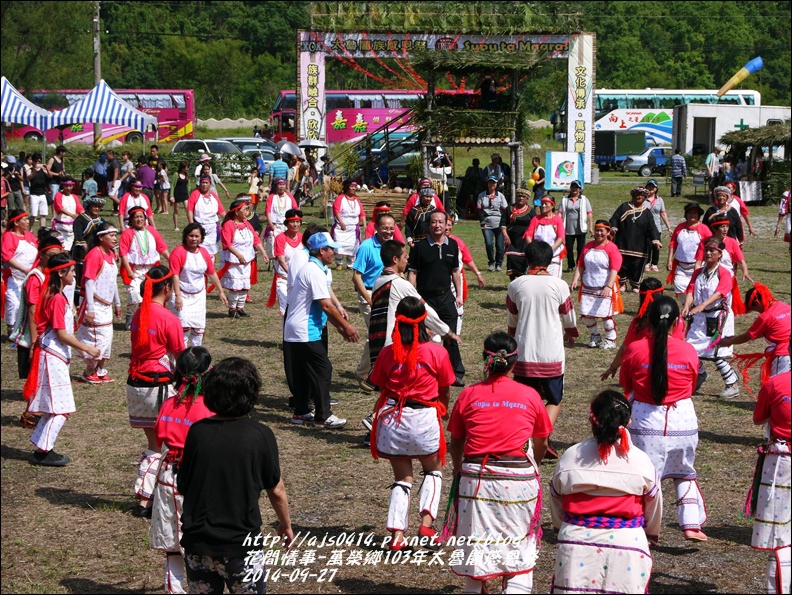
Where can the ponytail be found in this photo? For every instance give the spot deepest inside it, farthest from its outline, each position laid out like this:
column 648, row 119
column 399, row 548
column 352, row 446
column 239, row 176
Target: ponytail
column 663, row 313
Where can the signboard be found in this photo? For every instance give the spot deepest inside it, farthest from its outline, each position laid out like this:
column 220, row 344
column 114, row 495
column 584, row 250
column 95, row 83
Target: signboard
column 561, row 168
column 580, row 100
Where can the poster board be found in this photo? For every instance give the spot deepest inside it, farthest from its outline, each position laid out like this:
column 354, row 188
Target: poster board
column 561, row 168
column 751, row 192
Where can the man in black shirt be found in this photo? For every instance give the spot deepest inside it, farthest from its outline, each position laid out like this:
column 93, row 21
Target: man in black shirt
column 113, row 173
column 434, row 264
column 227, row 460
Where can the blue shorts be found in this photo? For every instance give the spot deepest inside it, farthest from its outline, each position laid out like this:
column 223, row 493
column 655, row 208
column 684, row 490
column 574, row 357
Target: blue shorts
column 550, row 389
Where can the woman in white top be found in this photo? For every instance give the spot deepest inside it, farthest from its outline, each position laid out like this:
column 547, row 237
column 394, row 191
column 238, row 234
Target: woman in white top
column 205, row 208
column 349, row 216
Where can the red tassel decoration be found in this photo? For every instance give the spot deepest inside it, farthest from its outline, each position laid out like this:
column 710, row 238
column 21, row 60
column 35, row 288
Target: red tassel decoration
column 624, row 441
column 738, row 307
column 648, row 299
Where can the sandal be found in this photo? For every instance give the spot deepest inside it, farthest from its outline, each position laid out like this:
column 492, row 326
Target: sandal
column 694, row 535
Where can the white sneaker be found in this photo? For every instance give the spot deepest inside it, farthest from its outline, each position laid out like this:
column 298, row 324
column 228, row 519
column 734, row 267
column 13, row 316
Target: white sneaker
column 608, row 344
column 594, row 342
column 730, row 392
column 299, row 420
column 331, row 423
column 491, row 268
column 498, row 269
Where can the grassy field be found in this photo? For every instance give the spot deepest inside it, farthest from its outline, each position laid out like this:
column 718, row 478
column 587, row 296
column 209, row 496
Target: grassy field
column 70, row 530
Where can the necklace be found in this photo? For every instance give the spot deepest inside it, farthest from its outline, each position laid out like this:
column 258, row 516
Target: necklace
column 638, row 210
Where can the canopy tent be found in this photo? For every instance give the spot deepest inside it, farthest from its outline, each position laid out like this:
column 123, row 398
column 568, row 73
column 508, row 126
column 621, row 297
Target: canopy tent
column 102, row 106
column 18, row 110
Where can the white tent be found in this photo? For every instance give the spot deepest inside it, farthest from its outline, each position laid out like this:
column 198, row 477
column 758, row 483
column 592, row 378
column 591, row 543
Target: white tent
column 102, row 106
column 16, row 109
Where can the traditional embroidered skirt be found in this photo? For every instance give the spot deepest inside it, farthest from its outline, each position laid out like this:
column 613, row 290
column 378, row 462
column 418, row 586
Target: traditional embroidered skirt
column 144, row 399
column 682, row 276
column 12, row 299
column 669, row 435
column 53, row 389
column 237, row 277
column 133, row 289
column 496, row 511
column 193, row 312
column 167, row 508
column 348, row 238
column 698, row 338
column 593, row 305
column 594, row 559
column 413, row 434
column 772, row 529
column 100, row 333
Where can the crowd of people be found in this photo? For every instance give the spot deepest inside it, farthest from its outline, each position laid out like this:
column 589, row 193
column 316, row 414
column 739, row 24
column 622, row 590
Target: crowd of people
column 61, row 295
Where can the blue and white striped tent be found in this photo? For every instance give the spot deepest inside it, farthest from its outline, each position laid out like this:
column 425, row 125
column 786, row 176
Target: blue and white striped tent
column 102, row 106
column 16, row 109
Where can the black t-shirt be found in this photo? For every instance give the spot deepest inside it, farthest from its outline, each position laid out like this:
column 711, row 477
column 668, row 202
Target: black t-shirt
column 154, row 161
column 38, row 183
column 15, row 179
column 112, row 167
column 225, row 465
column 433, row 264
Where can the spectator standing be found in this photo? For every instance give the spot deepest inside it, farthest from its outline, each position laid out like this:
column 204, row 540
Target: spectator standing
column 155, row 162
column 576, row 214
column 56, row 167
column 656, row 204
column 539, row 178
column 126, row 173
column 148, row 177
column 713, row 166
column 492, row 207
column 17, row 198
column 89, row 186
column 494, row 169
column 38, row 177
column 181, row 191
column 114, row 180
column 678, row 172
column 440, row 168
column 538, row 300
column 100, row 168
column 279, row 170
column 434, row 264
column 164, row 185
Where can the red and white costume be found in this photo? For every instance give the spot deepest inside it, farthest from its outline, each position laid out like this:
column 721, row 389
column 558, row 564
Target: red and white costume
column 597, row 262
column 191, row 268
column 687, row 244
column 549, row 229
column 772, row 529
column 774, row 325
column 24, row 249
column 668, row 432
column 276, row 207
column 604, row 510
column 206, row 210
column 349, row 210
column 63, row 223
column 128, row 201
column 53, row 398
column 408, row 423
column 236, row 277
column 702, row 285
column 143, row 250
column 101, row 294
column 150, row 382
column 499, row 491
column 172, row 425
column 286, row 247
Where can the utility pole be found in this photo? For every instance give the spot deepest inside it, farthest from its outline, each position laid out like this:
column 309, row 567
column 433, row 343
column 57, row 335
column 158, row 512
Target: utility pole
column 97, row 66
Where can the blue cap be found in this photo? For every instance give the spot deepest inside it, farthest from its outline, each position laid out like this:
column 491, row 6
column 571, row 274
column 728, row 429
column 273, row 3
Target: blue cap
column 492, row 179
column 653, row 182
column 576, row 183
column 322, row 240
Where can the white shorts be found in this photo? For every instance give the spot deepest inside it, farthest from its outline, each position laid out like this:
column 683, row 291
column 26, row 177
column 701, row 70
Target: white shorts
column 38, row 205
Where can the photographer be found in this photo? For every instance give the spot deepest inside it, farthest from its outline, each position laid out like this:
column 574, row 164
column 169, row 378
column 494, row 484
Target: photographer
column 440, row 168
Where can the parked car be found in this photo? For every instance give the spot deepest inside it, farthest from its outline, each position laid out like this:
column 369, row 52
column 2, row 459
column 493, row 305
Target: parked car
column 228, row 159
column 249, row 144
column 640, row 163
column 399, row 143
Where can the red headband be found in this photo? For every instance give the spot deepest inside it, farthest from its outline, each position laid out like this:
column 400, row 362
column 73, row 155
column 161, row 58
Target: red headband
column 648, row 299
column 239, row 206
column 295, row 218
column 602, row 225
column 142, row 338
column 18, row 217
column 411, row 358
column 761, row 294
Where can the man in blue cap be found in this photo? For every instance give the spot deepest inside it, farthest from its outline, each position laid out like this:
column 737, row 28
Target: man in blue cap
column 309, row 307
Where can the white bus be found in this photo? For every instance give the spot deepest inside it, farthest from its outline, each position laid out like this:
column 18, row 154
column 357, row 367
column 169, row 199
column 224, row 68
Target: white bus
column 652, row 110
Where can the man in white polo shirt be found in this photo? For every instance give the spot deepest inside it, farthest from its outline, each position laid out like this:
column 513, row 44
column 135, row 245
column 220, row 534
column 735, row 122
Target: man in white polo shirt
column 309, row 307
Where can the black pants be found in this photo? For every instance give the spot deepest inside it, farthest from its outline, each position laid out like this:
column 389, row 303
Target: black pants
column 445, row 306
column 654, row 254
column 580, row 238
column 23, row 361
column 308, row 373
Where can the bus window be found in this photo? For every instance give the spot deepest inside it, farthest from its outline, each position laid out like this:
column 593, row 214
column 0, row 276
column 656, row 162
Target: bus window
column 643, row 102
column 54, row 100
column 729, row 100
column 669, row 101
column 338, row 101
column 288, row 123
column 367, row 101
column 699, row 98
column 608, row 103
column 748, row 99
column 130, row 98
column 394, row 101
column 289, row 101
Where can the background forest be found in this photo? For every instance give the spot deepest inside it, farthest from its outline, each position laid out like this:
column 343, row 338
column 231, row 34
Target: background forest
column 238, row 55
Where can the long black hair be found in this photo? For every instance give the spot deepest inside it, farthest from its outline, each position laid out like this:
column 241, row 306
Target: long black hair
column 191, row 367
column 412, row 308
column 663, row 314
column 609, row 411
